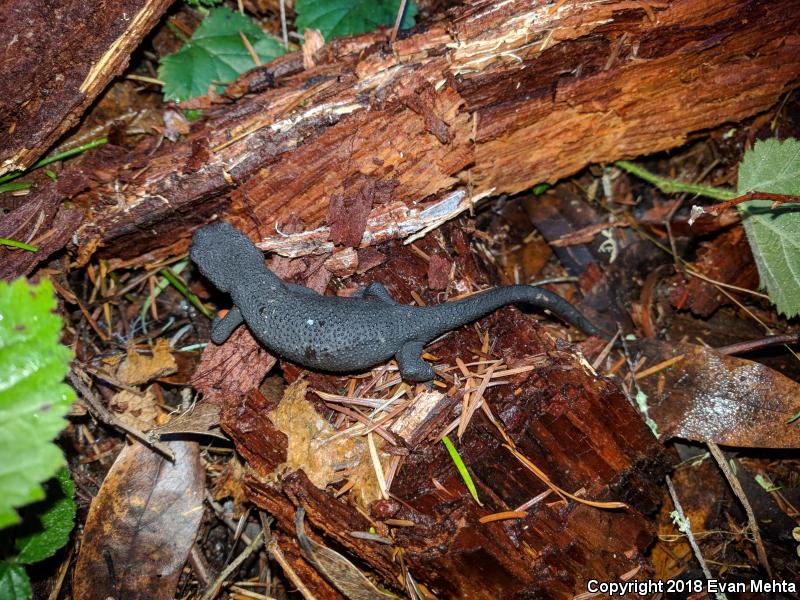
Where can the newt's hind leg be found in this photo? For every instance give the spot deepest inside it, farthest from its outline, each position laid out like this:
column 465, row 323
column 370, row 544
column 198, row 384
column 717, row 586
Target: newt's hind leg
column 375, row 291
column 412, row 367
column 222, row 328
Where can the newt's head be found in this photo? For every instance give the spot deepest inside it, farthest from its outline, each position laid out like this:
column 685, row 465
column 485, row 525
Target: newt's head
column 225, row 255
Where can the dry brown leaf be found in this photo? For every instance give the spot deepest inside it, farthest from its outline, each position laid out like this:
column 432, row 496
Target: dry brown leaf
column 699, row 488
column 137, row 368
column 347, row 578
column 139, row 411
column 141, row 525
column 203, row 418
column 708, row 396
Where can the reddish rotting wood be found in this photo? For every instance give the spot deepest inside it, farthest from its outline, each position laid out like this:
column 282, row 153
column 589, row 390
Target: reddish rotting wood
column 578, row 428
column 727, row 260
column 491, row 98
column 58, row 55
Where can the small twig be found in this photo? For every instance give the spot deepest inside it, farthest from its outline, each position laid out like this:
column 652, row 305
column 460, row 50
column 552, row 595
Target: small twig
column 199, row 565
column 275, row 552
column 717, row 284
column 240, row 591
column 685, row 526
column 765, row 342
column 610, row 345
column 250, row 50
column 101, row 413
column 401, row 9
column 217, row 585
column 549, row 280
column 672, row 245
column 559, row 490
column 284, row 30
column 715, row 209
column 376, row 463
column 736, row 486
column 72, row 298
column 111, row 380
column 62, row 573
column 227, row 521
column 175, row 28
column 237, row 534
column 144, row 79
column 664, row 364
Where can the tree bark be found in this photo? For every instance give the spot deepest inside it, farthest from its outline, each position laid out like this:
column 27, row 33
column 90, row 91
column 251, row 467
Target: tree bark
column 491, row 99
column 57, row 57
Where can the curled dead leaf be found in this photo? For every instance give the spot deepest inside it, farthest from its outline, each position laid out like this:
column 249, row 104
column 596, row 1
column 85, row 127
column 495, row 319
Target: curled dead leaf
column 142, row 368
column 708, row 396
column 336, row 568
column 141, row 525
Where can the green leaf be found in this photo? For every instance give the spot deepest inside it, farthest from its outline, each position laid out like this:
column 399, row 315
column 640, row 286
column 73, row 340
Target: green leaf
column 14, row 186
column 774, row 233
column 215, row 54
column 16, row 244
column 193, row 114
column 33, row 399
column 540, row 188
column 46, row 525
column 462, row 468
column 14, row 582
column 350, row 17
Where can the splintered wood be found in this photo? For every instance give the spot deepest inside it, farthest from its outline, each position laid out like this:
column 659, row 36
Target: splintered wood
column 494, row 98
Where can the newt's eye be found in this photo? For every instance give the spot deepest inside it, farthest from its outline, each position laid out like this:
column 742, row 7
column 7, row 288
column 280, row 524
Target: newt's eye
column 264, row 312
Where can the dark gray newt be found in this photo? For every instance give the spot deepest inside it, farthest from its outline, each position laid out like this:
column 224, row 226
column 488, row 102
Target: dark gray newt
column 334, row 334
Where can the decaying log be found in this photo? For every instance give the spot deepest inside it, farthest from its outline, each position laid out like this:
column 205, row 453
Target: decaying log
column 57, row 57
column 491, row 98
column 577, row 428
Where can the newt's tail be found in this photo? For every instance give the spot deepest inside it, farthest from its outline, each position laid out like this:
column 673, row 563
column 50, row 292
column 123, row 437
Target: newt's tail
column 450, row 315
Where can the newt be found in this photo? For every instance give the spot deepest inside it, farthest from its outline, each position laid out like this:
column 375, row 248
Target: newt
column 343, row 335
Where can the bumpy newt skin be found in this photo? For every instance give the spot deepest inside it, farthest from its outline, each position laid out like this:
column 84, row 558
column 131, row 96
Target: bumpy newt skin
column 328, row 333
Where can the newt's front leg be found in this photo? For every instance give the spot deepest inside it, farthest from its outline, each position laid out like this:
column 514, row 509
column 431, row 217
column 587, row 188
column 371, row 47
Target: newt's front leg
column 222, row 328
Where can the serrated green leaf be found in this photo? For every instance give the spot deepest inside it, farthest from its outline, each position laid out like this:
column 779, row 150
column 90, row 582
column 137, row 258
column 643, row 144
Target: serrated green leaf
column 14, row 582
column 46, row 526
column 33, row 399
column 215, row 54
column 774, row 233
column 349, row 17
